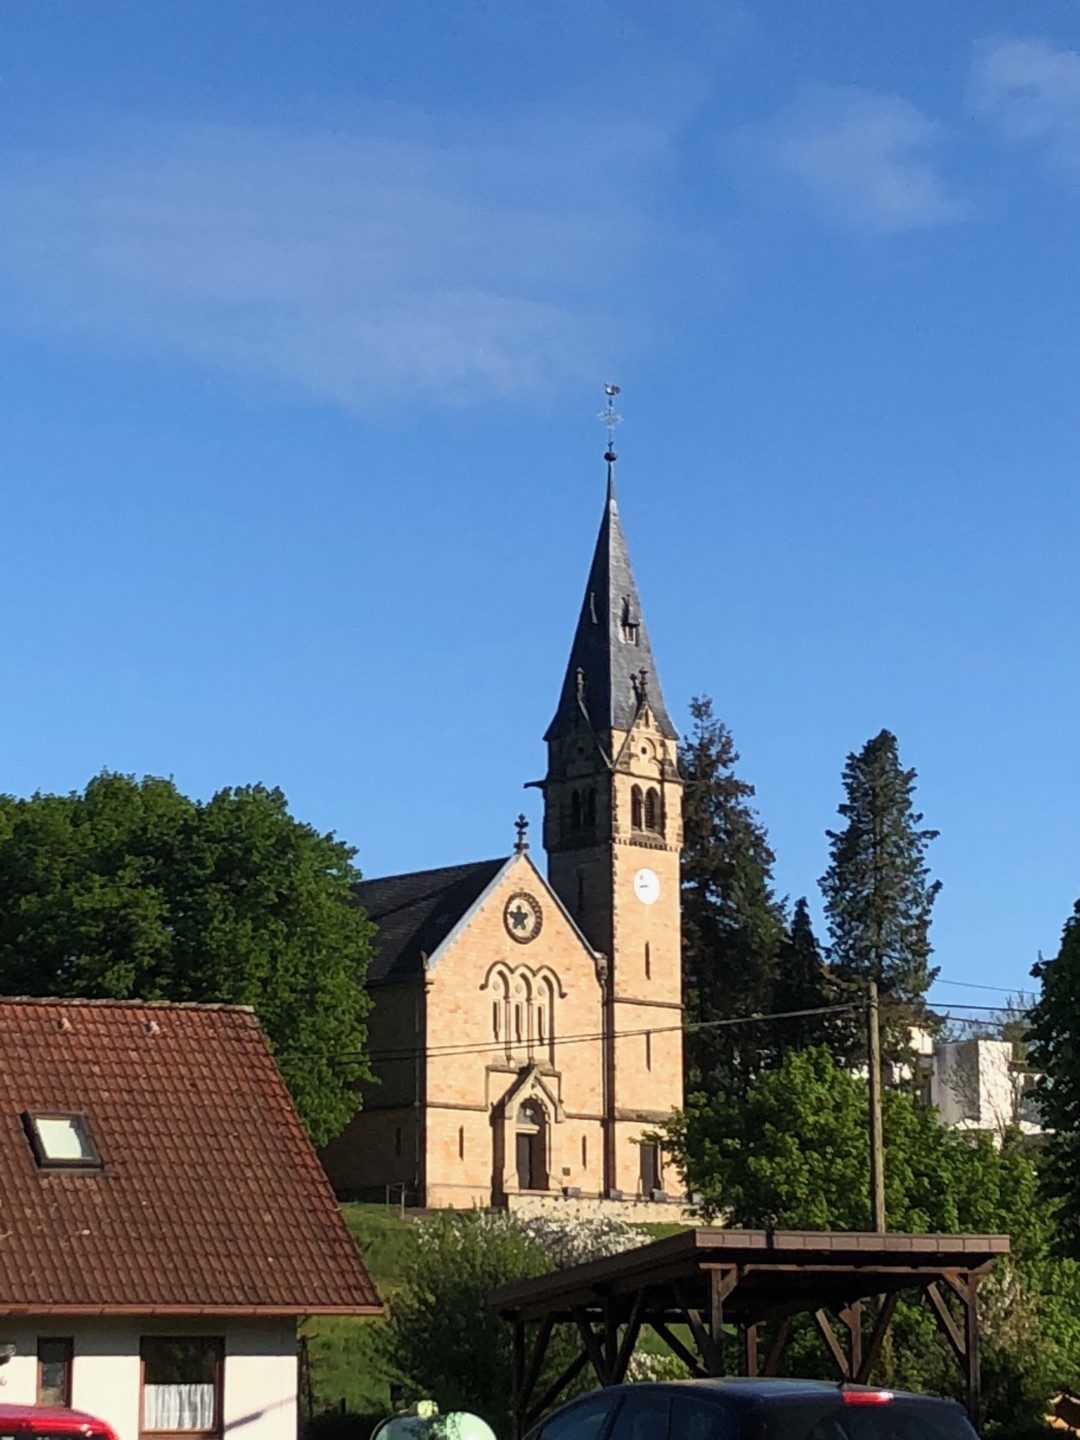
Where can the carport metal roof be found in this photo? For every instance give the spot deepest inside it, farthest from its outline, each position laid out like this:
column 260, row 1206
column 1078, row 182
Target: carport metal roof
column 756, row 1281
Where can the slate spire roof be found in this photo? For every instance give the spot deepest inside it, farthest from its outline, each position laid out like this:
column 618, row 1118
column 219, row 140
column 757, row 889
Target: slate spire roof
column 611, row 644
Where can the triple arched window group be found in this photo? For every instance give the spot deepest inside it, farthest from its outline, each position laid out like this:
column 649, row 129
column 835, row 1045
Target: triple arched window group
column 646, row 810
column 523, row 1011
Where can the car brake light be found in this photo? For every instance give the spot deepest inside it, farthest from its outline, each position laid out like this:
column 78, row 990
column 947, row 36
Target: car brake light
column 867, row 1397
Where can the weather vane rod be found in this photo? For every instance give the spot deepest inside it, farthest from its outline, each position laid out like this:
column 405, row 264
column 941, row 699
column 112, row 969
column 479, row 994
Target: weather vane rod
column 611, row 418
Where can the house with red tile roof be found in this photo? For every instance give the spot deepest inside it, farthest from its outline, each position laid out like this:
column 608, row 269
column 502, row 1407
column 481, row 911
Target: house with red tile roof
column 164, row 1221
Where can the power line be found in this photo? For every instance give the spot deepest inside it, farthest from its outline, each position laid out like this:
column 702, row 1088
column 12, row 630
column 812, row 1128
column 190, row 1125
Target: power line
column 594, row 1037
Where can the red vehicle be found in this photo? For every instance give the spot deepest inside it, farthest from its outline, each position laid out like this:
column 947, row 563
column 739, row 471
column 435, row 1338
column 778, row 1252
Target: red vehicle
column 50, row 1422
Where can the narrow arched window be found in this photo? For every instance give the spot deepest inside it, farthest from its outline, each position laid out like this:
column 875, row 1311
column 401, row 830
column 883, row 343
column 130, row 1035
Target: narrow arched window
column 575, row 810
column 590, row 808
column 652, row 811
column 636, row 807
column 545, row 1010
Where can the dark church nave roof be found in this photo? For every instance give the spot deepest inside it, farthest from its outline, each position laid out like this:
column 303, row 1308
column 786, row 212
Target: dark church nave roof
column 416, row 912
column 611, row 644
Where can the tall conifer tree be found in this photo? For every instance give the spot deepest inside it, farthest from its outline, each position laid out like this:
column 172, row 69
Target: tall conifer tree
column 878, row 892
column 804, row 983
column 732, row 921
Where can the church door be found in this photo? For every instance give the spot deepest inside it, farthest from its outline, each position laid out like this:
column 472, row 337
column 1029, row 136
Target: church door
column 531, row 1147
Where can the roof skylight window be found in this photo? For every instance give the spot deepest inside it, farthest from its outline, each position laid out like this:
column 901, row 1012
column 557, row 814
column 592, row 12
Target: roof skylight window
column 62, row 1140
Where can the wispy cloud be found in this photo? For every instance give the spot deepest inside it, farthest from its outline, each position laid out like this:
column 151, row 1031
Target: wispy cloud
column 1031, row 92
column 352, row 266
column 865, row 160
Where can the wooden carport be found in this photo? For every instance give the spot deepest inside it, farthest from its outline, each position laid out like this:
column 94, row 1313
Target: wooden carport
column 712, row 1281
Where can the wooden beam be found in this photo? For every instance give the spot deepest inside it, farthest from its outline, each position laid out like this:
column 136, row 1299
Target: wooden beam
column 520, row 1398
column 971, row 1344
column 593, row 1348
column 835, row 1349
column 721, row 1283
column 555, row 1389
column 779, row 1342
column 750, row 1350
column 629, row 1340
column 851, row 1316
column 946, row 1323
column 676, row 1346
column 872, row 1353
column 702, row 1338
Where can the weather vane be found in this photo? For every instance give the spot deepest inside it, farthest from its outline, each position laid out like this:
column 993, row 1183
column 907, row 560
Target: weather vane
column 611, row 418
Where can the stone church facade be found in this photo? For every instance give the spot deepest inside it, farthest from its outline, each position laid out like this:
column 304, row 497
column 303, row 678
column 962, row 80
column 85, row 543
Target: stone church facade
column 526, row 1030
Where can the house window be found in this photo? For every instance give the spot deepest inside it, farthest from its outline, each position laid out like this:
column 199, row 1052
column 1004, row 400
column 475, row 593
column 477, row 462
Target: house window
column 61, row 1140
column 182, row 1385
column 54, row 1359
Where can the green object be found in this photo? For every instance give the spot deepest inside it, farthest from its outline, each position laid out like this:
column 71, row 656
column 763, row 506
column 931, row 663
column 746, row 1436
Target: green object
column 130, row 890
column 457, row 1425
column 877, row 889
column 732, row 922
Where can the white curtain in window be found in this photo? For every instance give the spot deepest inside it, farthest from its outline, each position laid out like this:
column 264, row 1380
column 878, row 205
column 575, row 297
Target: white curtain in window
column 179, row 1407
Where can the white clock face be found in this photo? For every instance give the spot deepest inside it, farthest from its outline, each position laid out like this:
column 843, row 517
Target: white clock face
column 647, row 887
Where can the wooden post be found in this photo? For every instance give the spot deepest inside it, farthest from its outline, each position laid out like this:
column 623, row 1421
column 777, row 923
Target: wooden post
column 877, row 1143
column 520, row 1398
column 750, row 1351
column 716, row 1319
column 971, row 1349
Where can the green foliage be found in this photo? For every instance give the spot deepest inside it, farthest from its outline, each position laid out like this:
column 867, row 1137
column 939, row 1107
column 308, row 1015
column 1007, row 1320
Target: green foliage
column 442, row 1341
column 804, row 984
column 794, row 1153
column 732, row 923
column 877, row 889
column 132, row 890
column 1054, row 1053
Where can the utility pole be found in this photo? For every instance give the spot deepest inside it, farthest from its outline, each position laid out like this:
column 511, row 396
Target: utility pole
column 877, row 1143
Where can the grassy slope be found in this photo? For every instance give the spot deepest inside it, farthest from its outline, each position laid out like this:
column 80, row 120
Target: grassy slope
column 344, row 1362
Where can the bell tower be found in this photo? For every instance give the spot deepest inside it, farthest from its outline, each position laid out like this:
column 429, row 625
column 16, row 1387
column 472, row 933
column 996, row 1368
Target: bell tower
column 613, row 835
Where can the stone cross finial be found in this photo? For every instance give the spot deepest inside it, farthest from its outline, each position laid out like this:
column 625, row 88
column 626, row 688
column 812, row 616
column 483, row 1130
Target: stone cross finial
column 521, row 824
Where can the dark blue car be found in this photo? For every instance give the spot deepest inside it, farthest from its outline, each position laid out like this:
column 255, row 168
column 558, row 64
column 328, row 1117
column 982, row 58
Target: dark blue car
column 754, row 1410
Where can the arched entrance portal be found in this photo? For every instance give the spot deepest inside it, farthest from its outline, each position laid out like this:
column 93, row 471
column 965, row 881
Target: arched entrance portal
column 531, row 1128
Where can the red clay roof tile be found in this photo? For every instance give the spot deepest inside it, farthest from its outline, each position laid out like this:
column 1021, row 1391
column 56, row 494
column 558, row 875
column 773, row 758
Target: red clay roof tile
column 211, row 1198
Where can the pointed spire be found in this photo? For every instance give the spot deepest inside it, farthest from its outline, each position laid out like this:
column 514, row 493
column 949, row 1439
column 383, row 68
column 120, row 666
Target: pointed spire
column 611, row 673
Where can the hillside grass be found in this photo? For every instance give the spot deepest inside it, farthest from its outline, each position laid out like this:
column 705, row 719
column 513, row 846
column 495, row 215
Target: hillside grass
column 345, row 1367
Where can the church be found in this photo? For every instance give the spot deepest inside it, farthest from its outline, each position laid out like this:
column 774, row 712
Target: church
column 526, row 1028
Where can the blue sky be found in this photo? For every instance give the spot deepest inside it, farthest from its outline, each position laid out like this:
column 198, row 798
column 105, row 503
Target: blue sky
column 305, row 314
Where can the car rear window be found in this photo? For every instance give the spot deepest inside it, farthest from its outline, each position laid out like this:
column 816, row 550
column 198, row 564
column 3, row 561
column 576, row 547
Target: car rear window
column 834, row 1420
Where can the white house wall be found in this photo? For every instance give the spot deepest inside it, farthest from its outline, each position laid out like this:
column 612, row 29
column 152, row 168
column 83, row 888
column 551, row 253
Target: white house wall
column 259, row 1401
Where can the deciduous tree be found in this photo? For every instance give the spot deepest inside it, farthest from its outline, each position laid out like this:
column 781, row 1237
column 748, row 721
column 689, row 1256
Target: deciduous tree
column 131, row 890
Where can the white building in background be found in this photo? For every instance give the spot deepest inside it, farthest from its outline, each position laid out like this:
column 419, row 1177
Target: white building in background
column 977, row 1084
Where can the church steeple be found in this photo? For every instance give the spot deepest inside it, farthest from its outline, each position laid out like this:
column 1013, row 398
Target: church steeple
column 611, row 673
column 613, row 836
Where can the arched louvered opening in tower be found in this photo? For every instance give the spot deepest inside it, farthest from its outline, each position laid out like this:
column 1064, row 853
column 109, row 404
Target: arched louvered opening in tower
column 590, row 808
column 654, row 817
column 637, row 813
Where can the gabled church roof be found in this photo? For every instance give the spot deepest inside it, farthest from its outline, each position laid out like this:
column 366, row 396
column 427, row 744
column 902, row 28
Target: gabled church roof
column 416, row 912
column 611, row 645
